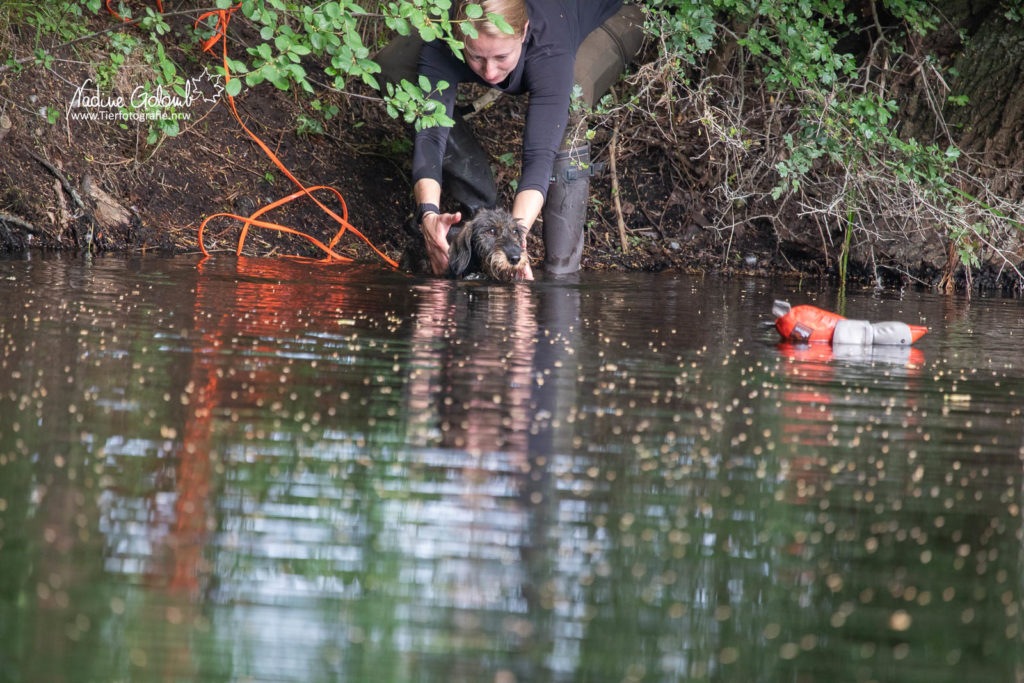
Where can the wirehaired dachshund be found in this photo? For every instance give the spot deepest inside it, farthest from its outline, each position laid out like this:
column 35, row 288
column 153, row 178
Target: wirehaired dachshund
column 489, row 246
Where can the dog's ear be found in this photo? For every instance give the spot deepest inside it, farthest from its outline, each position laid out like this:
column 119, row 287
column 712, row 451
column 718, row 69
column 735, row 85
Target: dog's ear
column 460, row 252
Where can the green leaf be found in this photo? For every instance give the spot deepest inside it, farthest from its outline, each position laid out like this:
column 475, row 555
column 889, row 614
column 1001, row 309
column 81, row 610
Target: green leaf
column 499, row 21
column 409, row 88
column 474, row 11
column 369, row 66
column 271, row 72
column 233, row 87
column 353, row 40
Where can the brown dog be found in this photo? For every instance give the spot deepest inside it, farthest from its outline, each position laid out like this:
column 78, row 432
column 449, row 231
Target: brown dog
column 489, row 246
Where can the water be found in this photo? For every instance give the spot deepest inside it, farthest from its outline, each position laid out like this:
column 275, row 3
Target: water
column 276, row 471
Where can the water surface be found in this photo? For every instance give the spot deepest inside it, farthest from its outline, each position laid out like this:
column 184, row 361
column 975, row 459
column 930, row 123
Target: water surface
column 269, row 470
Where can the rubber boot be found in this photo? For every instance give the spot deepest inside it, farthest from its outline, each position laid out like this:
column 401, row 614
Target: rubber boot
column 467, row 172
column 565, row 210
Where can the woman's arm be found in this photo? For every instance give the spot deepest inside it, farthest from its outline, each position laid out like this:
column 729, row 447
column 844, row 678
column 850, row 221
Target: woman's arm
column 527, row 206
column 437, row 64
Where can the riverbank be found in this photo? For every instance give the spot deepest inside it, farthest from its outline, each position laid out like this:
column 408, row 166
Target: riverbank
column 155, row 196
column 87, row 164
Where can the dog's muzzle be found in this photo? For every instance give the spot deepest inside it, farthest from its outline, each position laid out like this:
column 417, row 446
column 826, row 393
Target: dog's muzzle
column 514, row 254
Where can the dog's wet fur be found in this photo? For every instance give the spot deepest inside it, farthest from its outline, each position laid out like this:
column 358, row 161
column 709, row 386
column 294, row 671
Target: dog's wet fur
column 488, row 246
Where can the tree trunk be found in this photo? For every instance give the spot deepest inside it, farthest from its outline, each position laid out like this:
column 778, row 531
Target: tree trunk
column 990, row 74
column 987, row 66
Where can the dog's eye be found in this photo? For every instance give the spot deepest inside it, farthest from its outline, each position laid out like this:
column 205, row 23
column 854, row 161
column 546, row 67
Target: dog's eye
column 490, row 231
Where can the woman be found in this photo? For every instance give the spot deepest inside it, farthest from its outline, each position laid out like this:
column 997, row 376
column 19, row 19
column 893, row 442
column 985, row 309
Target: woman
column 539, row 58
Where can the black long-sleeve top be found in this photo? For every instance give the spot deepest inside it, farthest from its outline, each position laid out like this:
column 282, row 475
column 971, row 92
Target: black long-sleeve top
column 545, row 70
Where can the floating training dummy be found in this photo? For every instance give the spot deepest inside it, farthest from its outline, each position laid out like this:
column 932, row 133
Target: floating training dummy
column 811, row 324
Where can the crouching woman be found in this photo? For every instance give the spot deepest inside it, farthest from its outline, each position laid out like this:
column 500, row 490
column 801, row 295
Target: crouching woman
column 554, row 44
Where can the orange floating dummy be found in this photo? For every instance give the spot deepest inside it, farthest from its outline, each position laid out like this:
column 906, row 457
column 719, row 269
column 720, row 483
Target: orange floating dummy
column 811, row 324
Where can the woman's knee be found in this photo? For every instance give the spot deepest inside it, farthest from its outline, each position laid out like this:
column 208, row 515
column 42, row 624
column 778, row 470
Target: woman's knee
column 607, row 51
column 400, row 58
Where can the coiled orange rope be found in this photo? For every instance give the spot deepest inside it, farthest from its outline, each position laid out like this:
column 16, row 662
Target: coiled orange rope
column 220, row 35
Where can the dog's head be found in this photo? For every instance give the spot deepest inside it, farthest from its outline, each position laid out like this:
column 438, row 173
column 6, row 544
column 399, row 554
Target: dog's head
column 492, row 244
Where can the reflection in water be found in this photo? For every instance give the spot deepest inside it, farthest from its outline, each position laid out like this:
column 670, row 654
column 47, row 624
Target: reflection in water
column 270, row 470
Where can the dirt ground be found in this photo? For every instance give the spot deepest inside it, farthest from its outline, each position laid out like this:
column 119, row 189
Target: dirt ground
column 166, row 190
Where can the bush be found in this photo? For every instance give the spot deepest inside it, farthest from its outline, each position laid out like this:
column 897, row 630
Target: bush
column 798, row 100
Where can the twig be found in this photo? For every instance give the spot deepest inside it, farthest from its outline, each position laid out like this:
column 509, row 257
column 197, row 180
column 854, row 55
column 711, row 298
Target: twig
column 229, row 161
column 62, row 204
column 615, row 187
column 20, row 223
column 69, row 188
column 484, row 101
column 65, row 183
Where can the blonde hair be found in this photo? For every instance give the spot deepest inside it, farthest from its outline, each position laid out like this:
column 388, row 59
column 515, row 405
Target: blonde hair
column 513, row 11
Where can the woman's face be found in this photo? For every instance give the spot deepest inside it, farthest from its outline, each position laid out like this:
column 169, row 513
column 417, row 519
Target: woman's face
column 493, row 58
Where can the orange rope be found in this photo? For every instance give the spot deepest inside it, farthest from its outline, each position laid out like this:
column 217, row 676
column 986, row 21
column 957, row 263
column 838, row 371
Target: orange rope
column 331, row 254
column 220, row 34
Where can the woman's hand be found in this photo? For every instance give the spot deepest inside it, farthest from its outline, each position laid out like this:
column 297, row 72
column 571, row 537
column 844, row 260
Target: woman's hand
column 435, row 227
column 527, row 272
